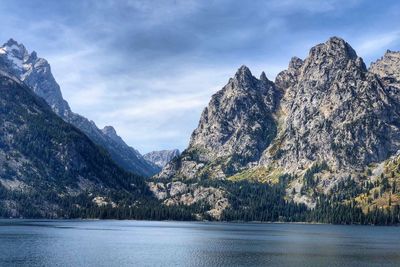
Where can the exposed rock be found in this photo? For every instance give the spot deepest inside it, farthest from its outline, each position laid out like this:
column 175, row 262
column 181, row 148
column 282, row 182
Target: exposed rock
column 388, row 67
column 103, row 201
column 177, row 188
column 179, row 193
column 327, row 108
column 233, row 131
column 388, row 70
column 159, row 190
column 162, row 157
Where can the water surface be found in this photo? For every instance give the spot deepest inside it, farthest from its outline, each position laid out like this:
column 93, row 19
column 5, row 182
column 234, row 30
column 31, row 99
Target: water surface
column 142, row 243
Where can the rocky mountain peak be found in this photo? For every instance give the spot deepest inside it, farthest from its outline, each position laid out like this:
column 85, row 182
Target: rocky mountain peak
column 387, row 67
column 112, row 134
column 109, row 130
column 335, row 46
column 328, row 99
column 244, row 76
column 162, row 157
column 16, row 49
column 288, row 77
column 234, row 129
column 11, row 42
column 295, row 64
column 34, row 55
column 327, row 59
column 263, row 77
column 243, row 71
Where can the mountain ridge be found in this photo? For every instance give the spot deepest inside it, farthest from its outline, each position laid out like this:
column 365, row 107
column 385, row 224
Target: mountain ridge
column 48, row 167
column 36, row 73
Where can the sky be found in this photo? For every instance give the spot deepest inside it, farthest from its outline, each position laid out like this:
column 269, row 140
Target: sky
column 149, row 68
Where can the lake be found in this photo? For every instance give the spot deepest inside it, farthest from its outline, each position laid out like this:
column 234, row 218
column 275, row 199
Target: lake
column 144, row 243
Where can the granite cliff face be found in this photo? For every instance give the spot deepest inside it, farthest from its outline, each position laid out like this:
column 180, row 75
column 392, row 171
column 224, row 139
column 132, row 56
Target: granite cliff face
column 388, row 70
column 234, row 130
column 179, row 193
column 333, row 111
column 36, row 73
column 326, row 110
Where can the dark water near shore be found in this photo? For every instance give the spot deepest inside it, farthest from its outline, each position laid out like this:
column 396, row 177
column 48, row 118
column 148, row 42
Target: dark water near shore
column 138, row 243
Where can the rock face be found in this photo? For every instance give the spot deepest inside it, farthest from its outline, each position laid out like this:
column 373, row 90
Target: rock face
column 162, row 157
column 36, row 73
column 388, row 67
column 234, row 130
column 388, row 70
column 327, row 108
column 335, row 111
column 179, row 193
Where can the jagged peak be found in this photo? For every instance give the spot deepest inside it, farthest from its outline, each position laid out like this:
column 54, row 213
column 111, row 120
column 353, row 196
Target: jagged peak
column 16, row 48
column 243, row 71
column 109, row 130
column 112, row 134
column 34, row 55
column 392, row 53
column 263, row 77
column 11, row 42
column 295, row 63
column 335, row 47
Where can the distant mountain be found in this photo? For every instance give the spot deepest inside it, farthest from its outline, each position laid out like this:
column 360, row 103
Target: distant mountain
column 36, row 73
column 162, row 157
column 49, row 168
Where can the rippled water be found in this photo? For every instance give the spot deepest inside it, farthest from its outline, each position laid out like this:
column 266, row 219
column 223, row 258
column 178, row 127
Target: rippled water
column 139, row 243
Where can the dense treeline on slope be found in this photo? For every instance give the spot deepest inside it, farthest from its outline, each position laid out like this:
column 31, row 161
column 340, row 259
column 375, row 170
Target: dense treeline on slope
column 249, row 202
column 55, row 148
column 81, row 206
column 49, row 168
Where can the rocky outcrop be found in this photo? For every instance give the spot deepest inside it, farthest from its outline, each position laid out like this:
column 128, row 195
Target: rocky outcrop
column 162, row 157
column 234, row 130
column 388, row 67
column 388, row 70
column 179, row 193
column 36, row 73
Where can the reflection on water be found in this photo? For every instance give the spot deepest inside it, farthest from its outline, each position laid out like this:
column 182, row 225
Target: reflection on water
column 135, row 243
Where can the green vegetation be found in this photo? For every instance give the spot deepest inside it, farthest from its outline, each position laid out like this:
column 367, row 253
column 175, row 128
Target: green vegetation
column 258, row 174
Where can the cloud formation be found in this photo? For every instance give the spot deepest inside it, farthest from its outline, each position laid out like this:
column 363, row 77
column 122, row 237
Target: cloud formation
column 150, row 67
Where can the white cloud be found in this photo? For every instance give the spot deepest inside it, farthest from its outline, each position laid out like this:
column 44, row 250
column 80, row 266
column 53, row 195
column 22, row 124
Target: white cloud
column 374, row 43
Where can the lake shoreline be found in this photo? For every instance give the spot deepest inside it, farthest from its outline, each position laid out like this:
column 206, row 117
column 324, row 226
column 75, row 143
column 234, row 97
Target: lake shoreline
column 193, row 221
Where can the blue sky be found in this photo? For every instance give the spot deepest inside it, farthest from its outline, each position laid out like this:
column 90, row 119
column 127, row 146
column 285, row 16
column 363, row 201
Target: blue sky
column 150, row 67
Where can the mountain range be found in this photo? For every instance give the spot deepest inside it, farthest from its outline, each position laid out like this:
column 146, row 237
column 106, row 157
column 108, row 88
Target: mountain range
column 319, row 143
column 36, row 73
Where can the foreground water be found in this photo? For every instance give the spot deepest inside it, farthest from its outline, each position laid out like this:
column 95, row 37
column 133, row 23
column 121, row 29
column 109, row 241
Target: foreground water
column 140, row 243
